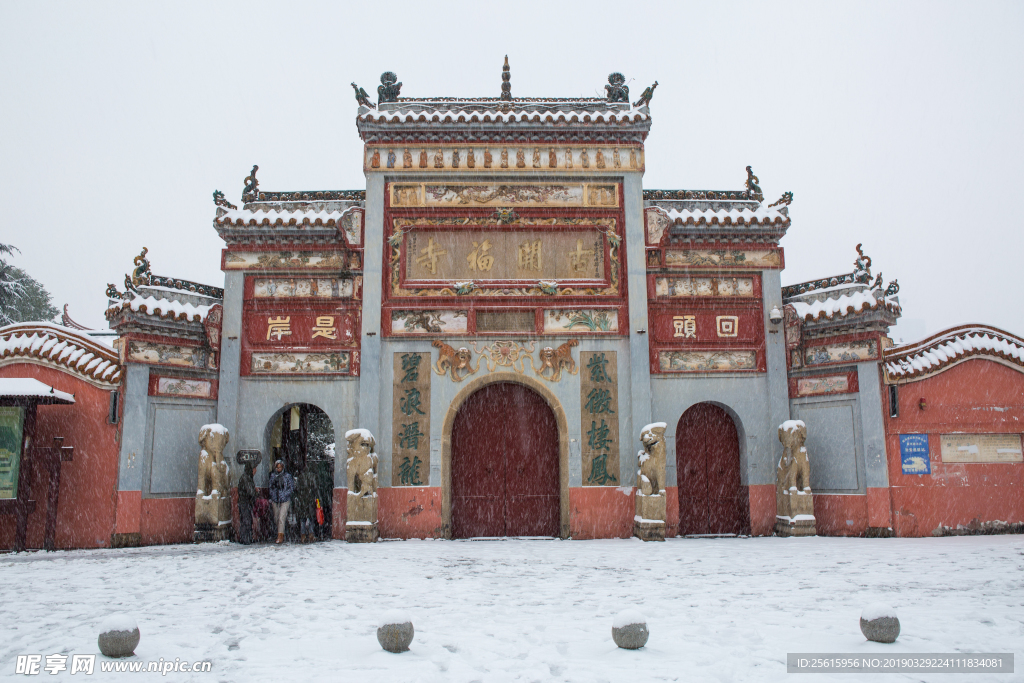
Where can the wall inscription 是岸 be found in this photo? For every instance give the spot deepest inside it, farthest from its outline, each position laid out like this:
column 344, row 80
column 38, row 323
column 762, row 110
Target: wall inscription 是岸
column 410, row 420
column 504, row 255
column 599, row 418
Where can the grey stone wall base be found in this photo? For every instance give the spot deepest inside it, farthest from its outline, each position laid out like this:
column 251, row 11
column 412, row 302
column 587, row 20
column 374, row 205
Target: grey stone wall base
column 131, row 540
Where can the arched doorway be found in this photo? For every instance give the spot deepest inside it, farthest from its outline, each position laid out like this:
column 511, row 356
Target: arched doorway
column 504, row 464
column 712, row 499
column 301, row 434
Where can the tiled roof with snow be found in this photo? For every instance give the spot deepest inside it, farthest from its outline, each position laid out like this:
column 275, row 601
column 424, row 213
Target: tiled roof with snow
column 70, row 350
column 761, row 216
column 942, row 350
column 493, row 112
column 273, row 218
column 843, row 304
column 161, row 308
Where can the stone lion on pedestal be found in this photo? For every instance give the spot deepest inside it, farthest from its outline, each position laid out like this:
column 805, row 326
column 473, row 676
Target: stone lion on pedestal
column 213, row 499
column 650, row 476
column 361, row 464
column 794, row 473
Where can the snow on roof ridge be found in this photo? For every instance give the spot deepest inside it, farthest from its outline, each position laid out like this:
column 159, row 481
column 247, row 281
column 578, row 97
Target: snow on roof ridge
column 527, row 116
column 843, row 305
column 27, row 386
column 952, row 346
column 163, row 308
column 762, row 214
column 63, row 346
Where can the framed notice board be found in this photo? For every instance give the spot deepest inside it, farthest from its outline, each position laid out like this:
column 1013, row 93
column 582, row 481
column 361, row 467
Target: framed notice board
column 12, row 422
column 914, row 454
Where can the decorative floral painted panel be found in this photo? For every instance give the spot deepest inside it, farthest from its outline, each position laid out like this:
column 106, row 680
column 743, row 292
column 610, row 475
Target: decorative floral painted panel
column 300, row 363
column 707, row 361
column 429, row 322
column 855, row 351
column 583, row 320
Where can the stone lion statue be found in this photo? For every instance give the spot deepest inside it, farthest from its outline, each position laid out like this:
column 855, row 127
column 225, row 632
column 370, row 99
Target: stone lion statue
column 650, row 476
column 794, row 472
column 361, row 464
column 213, row 499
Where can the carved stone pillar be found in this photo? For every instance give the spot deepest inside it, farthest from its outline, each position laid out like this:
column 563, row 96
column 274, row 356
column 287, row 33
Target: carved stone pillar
column 649, row 522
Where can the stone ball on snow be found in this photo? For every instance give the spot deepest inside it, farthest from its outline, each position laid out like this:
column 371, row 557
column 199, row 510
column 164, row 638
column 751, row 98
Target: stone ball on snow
column 395, row 631
column 119, row 636
column 879, row 623
column 629, row 630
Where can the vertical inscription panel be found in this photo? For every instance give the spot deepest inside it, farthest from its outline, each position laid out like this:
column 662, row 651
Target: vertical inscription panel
column 410, row 420
column 599, row 418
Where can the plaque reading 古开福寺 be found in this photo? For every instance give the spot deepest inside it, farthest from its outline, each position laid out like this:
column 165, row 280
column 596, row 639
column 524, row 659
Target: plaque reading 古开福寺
column 599, row 418
column 410, row 420
column 504, row 255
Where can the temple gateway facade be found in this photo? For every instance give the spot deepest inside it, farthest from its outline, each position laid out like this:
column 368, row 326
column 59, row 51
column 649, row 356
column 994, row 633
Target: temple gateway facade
column 508, row 311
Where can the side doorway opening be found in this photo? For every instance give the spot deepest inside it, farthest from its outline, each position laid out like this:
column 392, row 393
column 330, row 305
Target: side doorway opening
column 302, row 436
column 712, row 499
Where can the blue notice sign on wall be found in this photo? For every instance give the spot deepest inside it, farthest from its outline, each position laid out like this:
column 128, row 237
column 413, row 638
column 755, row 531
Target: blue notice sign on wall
column 914, row 454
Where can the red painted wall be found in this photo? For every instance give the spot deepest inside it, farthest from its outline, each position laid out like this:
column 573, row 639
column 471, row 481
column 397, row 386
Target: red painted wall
column 762, row 509
column 407, row 512
column 168, row 520
column 601, row 512
column 88, row 484
column 840, row 514
column 977, row 396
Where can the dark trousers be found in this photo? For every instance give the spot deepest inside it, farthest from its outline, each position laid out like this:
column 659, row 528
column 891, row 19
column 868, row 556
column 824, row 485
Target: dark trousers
column 244, row 521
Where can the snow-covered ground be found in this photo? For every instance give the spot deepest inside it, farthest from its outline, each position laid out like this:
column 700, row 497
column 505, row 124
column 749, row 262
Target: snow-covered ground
column 519, row 610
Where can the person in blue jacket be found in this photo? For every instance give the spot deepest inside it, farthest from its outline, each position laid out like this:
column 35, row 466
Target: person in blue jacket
column 281, row 487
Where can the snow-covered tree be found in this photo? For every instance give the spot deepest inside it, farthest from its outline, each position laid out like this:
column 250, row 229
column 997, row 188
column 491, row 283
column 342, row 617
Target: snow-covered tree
column 11, row 286
column 35, row 303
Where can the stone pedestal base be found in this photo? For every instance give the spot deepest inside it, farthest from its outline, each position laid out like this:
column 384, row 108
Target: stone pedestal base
column 800, row 527
column 648, row 530
column 211, row 533
column 356, row 532
column 649, row 522
column 361, row 519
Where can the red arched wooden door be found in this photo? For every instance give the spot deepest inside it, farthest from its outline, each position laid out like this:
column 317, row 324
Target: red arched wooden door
column 504, row 465
column 711, row 498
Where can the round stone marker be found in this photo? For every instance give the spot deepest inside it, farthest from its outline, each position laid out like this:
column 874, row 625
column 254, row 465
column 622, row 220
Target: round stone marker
column 629, row 630
column 879, row 623
column 119, row 636
column 394, row 631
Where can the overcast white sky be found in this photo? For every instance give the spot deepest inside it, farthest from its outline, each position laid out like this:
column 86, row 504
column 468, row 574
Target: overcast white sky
column 895, row 124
